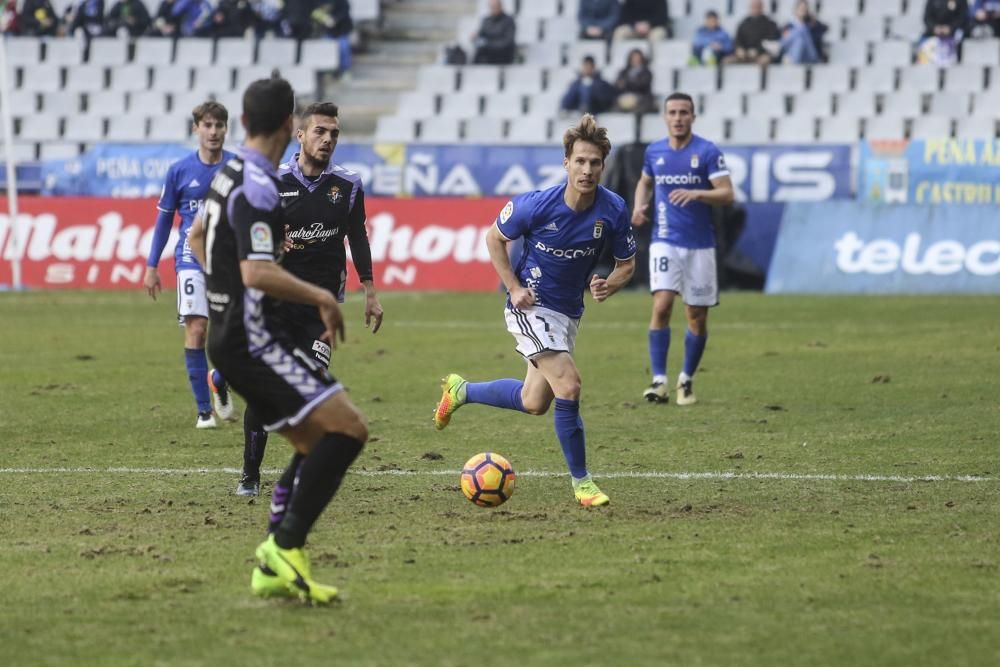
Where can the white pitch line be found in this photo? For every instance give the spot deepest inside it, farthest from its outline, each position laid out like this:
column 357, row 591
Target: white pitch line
column 711, row 475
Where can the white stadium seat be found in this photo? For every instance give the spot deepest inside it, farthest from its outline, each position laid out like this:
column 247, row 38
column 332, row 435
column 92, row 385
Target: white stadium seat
column 58, row 150
column 885, row 127
column 876, row 78
column 277, row 52
column 106, row 103
column 108, row 51
column 460, row 105
column 148, row 102
column 694, row 80
column 84, row 78
column 320, row 54
column 417, row 104
column 63, row 50
column 127, row 128
column 839, row 129
column 524, row 79
column 129, row 77
column 61, row 102
column 964, row 79
column 786, row 78
column 84, row 128
column 484, row 130
column 235, row 52
column 393, row 129
column 530, row 129
column 749, row 130
column 23, row 102
column 153, row 51
column 766, row 105
column 903, row 102
column 924, row 78
column 859, row 102
column 834, row 78
column 483, row 79
column 23, row 50
column 981, row 52
column 796, row 129
column 194, row 52
column 621, row 127
column 931, row 127
column 439, row 130
column 41, row 126
column 504, row 105
column 169, row 129
column 976, row 127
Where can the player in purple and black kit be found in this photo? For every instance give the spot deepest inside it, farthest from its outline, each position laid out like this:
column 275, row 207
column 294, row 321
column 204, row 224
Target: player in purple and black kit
column 324, row 204
column 565, row 229
column 239, row 238
column 185, row 187
column 688, row 175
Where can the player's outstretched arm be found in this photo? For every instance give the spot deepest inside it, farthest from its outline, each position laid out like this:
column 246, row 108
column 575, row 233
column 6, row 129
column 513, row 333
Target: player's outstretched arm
column 602, row 288
column 496, row 243
column 640, row 205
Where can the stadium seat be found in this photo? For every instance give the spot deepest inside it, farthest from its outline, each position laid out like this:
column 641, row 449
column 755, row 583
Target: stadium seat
column 61, row 102
column 148, row 102
column 865, row 28
column 544, row 104
column 523, row 79
column 58, row 150
column 530, row 129
column 749, row 130
column 194, row 52
column 277, row 52
column 365, row 10
column 168, row 78
column 466, row 28
column 906, row 26
column 976, row 127
column 896, row 52
column 722, row 103
column 671, row 53
column 796, row 129
column 834, row 78
column 169, row 129
column 766, row 105
column 23, row 102
column 981, row 52
column 213, row 79
column 84, row 78
column 41, row 77
column 559, row 29
column 815, row 102
column 885, row 127
column 621, row 127
column 711, row 126
column 664, row 79
column 744, row 78
column 859, row 102
column 838, row 129
column 986, row 102
column 184, row 102
column 22, row 151
column 107, row 51
column 853, row 53
column 964, row 79
column 558, row 79
column 246, row 75
column 127, row 128
column 321, row 54
column 904, row 102
column 41, row 126
column 437, row 78
column 84, row 128
column 504, row 105
column 949, row 104
column 829, row 10
column 786, row 78
column 881, row 8
column 931, row 127
column 129, row 77
column 876, row 78
column 547, row 54
column 482, row 79
column 63, row 50
column 394, row 129
column 417, row 104
column 439, row 130
column 527, row 28
column 106, row 103
column 484, row 130
column 539, row 8
column 697, row 80
column 460, row 105
column 153, row 51
column 924, row 78
column 685, row 27
column 23, row 50
column 236, row 52
column 576, row 51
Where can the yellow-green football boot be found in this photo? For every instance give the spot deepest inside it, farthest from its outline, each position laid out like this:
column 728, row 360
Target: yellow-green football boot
column 452, row 398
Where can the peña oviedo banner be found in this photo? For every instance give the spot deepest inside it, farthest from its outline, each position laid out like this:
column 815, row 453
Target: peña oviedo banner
column 932, row 171
column 417, row 244
column 853, row 248
column 765, row 177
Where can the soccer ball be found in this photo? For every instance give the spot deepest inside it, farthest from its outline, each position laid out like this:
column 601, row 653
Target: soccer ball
column 488, row 479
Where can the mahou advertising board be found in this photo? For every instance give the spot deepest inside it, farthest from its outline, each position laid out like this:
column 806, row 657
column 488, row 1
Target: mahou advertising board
column 103, row 243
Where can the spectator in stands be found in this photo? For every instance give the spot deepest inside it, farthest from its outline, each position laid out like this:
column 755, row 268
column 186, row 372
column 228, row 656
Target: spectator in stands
column 598, row 18
column 802, row 38
column 752, row 33
column 985, row 18
column 39, row 18
column 947, row 19
column 333, row 20
column 86, row 16
column 644, row 19
column 8, row 17
column 270, row 17
column 230, row 18
column 635, row 85
column 711, row 42
column 181, row 18
column 128, row 16
column 589, row 93
column 494, row 41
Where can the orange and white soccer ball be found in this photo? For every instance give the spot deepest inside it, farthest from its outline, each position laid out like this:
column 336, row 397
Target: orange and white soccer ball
column 488, row 479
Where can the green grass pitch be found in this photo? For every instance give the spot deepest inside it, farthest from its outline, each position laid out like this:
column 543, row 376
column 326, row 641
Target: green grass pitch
column 833, row 499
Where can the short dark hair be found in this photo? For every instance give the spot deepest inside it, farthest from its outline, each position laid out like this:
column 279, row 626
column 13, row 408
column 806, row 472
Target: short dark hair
column 589, row 131
column 711, row 12
column 210, row 108
column 267, row 104
column 590, row 59
column 684, row 97
column 328, row 109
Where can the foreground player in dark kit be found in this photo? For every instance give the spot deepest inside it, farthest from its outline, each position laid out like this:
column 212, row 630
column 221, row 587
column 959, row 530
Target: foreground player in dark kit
column 323, row 204
column 238, row 239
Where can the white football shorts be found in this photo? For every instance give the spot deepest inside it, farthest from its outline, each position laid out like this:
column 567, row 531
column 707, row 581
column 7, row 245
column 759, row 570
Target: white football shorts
column 191, row 298
column 537, row 330
column 688, row 271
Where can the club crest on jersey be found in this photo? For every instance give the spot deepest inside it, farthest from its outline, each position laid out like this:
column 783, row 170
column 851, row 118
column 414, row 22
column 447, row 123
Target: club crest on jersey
column 722, row 162
column 694, row 161
column 508, row 210
column 598, row 229
column 334, row 194
column 260, row 237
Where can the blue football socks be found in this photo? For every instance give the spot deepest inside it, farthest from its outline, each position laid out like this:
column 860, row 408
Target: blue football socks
column 694, row 347
column 569, row 430
column 659, row 345
column 197, row 370
column 504, row 393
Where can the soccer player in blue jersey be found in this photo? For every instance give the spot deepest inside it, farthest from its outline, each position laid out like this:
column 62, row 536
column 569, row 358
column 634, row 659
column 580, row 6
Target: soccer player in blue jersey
column 565, row 229
column 688, row 175
column 186, row 185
